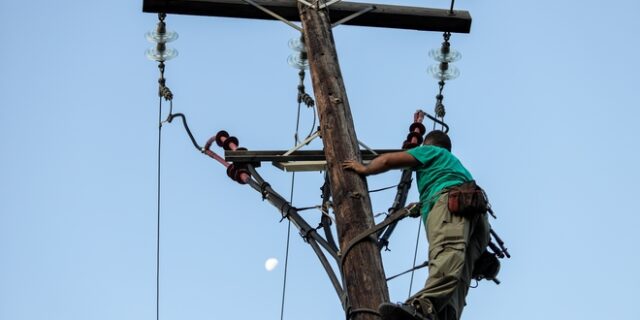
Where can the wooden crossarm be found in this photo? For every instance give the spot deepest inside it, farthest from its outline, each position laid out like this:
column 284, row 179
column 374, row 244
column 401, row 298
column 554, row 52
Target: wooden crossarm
column 384, row 16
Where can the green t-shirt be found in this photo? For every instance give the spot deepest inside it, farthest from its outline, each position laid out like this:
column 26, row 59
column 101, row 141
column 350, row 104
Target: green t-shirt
column 439, row 169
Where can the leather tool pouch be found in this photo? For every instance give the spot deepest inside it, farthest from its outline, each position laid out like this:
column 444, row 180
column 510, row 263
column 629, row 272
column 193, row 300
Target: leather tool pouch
column 467, row 199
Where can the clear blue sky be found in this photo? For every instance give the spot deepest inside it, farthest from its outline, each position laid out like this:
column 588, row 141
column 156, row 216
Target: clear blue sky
column 544, row 114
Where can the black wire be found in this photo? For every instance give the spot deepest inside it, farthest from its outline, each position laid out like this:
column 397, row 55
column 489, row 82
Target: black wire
column 286, row 259
column 420, row 266
column 415, row 256
column 158, row 221
column 313, row 126
column 295, row 136
column 382, row 189
column 186, row 127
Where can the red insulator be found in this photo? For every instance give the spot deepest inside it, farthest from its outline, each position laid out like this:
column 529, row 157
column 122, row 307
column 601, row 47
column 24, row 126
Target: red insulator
column 231, row 171
column 242, row 176
column 408, row 145
column 414, row 137
column 230, row 143
column 418, row 127
column 221, row 136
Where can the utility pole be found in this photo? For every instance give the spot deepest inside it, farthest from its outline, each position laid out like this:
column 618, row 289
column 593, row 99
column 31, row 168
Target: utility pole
column 362, row 271
column 363, row 274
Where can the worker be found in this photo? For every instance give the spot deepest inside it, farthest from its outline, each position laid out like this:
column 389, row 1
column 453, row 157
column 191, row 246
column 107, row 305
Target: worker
column 455, row 240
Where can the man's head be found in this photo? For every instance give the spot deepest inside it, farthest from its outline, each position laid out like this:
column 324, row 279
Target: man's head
column 438, row 138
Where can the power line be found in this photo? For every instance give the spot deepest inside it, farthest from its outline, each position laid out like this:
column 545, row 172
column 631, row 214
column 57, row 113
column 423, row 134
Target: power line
column 158, row 215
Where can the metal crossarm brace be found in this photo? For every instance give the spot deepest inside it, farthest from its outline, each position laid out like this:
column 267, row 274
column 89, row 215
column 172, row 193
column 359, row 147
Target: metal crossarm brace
column 301, row 155
column 384, row 16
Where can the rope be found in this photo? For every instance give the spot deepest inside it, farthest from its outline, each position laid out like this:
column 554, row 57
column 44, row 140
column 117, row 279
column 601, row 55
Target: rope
column 415, row 256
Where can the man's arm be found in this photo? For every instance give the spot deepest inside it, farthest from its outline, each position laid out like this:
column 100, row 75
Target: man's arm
column 382, row 163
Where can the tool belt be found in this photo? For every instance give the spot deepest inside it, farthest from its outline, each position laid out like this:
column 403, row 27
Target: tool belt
column 467, row 199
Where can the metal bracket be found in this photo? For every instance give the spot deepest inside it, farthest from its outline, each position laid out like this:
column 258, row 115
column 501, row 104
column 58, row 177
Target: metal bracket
column 326, row 4
column 308, row 4
column 352, row 16
column 273, row 14
column 367, row 147
column 303, row 143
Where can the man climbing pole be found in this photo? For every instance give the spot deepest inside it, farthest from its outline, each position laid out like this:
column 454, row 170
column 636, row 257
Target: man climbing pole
column 454, row 213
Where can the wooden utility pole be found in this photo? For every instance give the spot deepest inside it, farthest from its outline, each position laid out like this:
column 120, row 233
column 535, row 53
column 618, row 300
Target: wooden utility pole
column 363, row 275
column 362, row 272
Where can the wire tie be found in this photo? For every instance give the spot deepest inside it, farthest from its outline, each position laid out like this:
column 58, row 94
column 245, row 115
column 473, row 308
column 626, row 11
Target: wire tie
column 263, row 190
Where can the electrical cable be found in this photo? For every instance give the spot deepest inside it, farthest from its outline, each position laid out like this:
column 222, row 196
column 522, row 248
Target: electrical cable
column 286, row 259
column 383, row 189
column 293, row 181
column 415, row 256
column 158, row 216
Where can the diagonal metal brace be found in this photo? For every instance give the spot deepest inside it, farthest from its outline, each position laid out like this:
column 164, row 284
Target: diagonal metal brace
column 273, row 14
column 326, row 4
column 352, row 16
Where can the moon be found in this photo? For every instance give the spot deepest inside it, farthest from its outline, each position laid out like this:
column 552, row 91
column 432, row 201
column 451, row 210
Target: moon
column 271, row 264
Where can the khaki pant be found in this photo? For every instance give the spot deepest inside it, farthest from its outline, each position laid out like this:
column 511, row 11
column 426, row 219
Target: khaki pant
column 455, row 243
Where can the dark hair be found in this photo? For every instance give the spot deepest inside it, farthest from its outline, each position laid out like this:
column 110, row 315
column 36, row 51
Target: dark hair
column 438, row 138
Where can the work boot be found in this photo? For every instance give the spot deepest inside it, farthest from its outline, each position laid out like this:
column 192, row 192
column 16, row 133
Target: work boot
column 400, row 311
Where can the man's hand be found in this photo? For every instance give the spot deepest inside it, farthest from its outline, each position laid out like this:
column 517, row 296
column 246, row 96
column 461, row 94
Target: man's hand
column 355, row 166
column 382, row 163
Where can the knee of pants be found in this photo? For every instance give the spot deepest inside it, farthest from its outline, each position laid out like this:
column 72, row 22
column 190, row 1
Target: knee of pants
column 448, row 265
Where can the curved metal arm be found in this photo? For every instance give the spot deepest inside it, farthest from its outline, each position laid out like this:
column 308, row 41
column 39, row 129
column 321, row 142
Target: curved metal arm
column 440, row 122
